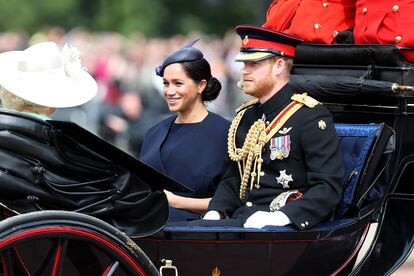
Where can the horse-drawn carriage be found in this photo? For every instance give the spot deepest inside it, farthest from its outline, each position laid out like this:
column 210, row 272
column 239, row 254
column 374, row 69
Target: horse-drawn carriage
column 119, row 229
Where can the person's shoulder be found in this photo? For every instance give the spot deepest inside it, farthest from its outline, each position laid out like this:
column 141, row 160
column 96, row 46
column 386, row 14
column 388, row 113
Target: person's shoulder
column 305, row 99
column 312, row 111
column 217, row 126
column 247, row 105
column 306, row 114
column 162, row 124
column 216, row 118
column 310, row 104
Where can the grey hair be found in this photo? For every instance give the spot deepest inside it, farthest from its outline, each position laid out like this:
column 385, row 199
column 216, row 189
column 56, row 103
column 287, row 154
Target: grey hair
column 13, row 102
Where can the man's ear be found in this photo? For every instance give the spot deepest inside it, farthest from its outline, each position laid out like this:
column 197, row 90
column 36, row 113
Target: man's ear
column 279, row 66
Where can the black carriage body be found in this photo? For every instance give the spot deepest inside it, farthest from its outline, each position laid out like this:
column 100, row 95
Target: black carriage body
column 365, row 104
column 359, row 84
column 392, row 189
column 284, row 250
column 53, row 165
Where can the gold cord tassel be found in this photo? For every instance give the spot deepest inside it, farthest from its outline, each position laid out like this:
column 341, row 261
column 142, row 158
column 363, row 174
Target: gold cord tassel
column 249, row 153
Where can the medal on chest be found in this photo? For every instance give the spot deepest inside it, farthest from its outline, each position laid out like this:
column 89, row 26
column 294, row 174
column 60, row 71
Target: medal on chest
column 284, row 179
column 279, row 147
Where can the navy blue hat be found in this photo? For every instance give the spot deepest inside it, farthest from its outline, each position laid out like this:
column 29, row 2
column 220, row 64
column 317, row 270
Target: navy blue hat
column 186, row 53
column 260, row 43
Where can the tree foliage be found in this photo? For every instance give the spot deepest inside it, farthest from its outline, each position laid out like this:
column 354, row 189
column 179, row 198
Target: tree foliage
column 154, row 18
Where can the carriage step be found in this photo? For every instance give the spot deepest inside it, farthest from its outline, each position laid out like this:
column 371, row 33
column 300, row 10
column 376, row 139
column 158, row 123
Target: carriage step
column 167, row 265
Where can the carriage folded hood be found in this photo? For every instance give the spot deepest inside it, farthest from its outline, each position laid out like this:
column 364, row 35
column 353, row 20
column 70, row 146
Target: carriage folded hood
column 53, row 165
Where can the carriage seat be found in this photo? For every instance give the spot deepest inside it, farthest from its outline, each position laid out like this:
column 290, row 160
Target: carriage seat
column 362, row 145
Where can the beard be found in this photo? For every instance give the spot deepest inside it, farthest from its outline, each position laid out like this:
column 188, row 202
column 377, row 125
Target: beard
column 261, row 87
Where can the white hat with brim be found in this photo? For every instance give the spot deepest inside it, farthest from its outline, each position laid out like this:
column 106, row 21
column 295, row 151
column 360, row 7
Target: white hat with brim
column 46, row 76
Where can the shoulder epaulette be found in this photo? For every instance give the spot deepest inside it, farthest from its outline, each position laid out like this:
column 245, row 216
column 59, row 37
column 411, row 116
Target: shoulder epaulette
column 305, row 99
column 246, row 105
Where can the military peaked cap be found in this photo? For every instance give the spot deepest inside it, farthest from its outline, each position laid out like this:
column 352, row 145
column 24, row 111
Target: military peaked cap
column 261, row 43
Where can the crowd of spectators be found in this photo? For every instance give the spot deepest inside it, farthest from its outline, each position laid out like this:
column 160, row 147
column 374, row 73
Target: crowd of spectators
column 130, row 97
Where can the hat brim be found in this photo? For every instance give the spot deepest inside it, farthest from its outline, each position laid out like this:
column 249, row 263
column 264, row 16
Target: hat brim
column 51, row 88
column 253, row 56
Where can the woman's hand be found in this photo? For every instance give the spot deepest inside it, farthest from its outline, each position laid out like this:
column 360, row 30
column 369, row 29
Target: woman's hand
column 173, row 199
column 198, row 205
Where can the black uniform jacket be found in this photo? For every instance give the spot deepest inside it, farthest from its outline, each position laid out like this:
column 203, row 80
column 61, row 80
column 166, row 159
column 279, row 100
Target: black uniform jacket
column 314, row 163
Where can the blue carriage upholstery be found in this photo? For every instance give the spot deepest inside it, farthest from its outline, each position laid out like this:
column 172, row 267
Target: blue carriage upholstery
column 356, row 143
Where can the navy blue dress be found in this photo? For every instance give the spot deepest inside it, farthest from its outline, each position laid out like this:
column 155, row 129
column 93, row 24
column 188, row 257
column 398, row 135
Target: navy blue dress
column 193, row 154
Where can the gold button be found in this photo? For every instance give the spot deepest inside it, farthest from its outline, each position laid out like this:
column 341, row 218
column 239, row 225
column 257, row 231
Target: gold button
column 395, row 8
column 335, row 33
column 325, row 4
column 317, row 26
column 398, row 39
column 364, row 10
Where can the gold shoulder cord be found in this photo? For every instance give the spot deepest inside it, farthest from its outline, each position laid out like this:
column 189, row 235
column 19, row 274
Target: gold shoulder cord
column 252, row 149
column 258, row 135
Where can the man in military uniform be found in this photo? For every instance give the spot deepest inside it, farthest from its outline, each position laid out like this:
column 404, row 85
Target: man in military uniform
column 286, row 164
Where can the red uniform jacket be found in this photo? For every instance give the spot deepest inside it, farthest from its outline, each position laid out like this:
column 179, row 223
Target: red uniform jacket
column 316, row 21
column 385, row 22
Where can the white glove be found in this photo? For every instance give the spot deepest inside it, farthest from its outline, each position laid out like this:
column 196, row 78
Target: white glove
column 212, row 215
column 262, row 218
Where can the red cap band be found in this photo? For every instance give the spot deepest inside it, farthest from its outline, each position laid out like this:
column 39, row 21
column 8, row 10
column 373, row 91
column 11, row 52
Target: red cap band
column 287, row 50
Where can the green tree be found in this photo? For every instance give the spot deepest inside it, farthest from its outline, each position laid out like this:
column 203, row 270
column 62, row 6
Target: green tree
column 127, row 16
column 154, row 18
column 33, row 15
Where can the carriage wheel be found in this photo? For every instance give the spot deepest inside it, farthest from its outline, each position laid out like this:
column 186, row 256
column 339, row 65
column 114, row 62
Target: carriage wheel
column 67, row 243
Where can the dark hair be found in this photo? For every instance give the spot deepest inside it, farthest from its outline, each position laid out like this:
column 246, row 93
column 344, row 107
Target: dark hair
column 199, row 70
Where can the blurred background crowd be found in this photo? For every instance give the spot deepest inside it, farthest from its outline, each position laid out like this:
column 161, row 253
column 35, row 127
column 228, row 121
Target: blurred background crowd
column 130, row 96
column 121, row 43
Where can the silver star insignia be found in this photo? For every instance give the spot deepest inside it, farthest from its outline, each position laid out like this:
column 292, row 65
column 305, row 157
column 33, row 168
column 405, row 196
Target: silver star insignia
column 284, row 179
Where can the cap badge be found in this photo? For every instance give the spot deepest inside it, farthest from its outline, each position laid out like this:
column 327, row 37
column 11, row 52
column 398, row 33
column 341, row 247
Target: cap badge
column 322, row 124
column 245, row 40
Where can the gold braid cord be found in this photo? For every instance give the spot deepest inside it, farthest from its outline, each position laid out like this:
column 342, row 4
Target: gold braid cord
column 250, row 155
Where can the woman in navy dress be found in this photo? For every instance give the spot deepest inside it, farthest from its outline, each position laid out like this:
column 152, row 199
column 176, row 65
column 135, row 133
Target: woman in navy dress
column 190, row 146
